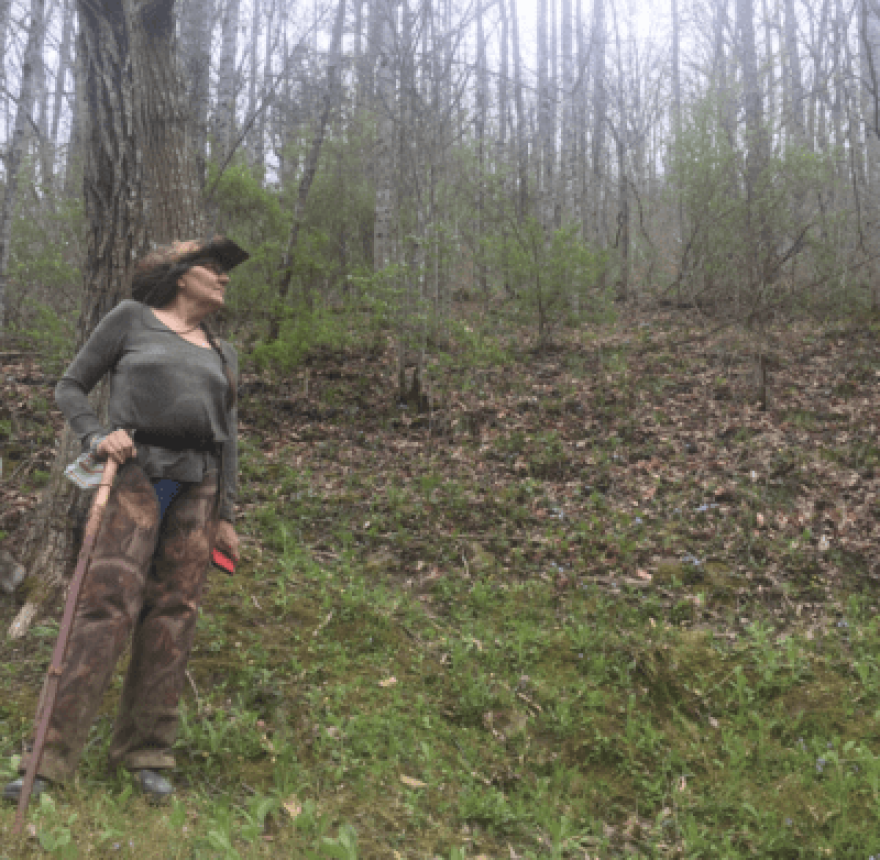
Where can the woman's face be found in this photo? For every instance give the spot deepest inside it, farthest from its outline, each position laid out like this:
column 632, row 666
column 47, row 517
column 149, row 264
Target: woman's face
column 205, row 285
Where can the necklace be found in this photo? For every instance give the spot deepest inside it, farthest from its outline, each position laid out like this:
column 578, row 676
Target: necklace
column 183, row 331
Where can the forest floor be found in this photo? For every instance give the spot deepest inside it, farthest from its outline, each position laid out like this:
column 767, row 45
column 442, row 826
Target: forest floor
column 597, row 604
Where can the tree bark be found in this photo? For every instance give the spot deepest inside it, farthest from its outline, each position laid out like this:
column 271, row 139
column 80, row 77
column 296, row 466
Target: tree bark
column 869, row 49
column 622, row 143
column 5, row 8
column 482, row 108
column 74, row 162
column 504, row 70
column 676, row 103
column 795, row 79
column 751, row 95
column 267, row 84
column 127, row 50
column 63, row 68
column 173, row 205
column 599, row 113
column 769, row 64
column 112, row 185
column 568, row 134
column 521, row 119
column 41, row 128
column 383, row 240
column 196, row 26
column 545, row 141
column 256, row 145
column 226, row 85
column 23, row 120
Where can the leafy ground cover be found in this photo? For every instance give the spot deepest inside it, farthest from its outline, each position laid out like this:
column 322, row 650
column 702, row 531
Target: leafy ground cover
column 595, row 604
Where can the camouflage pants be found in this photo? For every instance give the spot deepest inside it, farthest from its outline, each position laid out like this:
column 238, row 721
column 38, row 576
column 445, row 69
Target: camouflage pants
column 146, row 581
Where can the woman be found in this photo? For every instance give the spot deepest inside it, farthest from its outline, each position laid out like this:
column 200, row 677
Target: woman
column 174, row 433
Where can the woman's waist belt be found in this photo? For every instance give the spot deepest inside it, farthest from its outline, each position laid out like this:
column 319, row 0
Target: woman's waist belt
column 177, row 443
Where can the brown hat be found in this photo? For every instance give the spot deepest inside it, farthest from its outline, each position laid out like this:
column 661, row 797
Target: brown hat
column 226, row 252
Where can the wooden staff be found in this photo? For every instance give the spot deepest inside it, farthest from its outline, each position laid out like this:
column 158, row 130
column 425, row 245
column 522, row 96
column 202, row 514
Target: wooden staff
column 51, row 687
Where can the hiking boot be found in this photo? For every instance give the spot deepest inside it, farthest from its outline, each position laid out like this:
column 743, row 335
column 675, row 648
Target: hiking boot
column 153, row 785
column 13, row 789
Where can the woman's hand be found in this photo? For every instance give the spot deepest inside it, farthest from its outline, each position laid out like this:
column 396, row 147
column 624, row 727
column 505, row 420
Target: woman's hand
column 118, row 446
column 227, row 540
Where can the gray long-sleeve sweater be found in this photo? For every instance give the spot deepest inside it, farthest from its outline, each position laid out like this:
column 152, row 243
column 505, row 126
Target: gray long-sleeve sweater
column 159, row 383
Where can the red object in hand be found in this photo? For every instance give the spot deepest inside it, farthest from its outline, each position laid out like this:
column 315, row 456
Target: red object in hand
column 223, row 561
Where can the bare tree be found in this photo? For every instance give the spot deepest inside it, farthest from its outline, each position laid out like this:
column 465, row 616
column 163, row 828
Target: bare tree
column 620, row 130
column 64, row 55
column 869, row 26
column 195, row 49
column 568, row 157
column 545, row 143
column 255, row 144
column 23, row 120
column 226, row 86
column 521, row 148
column 795, row 79
column 676, row 97
column 383, row 238
column 482, row 110
column 331, row 100
column 599, row 106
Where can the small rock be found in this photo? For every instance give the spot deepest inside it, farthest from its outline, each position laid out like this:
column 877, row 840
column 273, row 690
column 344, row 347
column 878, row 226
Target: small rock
column 11, row 573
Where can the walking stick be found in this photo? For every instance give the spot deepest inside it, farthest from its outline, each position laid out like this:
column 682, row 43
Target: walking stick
column 85, row 556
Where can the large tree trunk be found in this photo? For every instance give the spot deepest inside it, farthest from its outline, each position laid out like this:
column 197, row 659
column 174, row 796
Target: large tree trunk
column 130, row 82
column 23, row 119
column 172, row 193
column 115, row 235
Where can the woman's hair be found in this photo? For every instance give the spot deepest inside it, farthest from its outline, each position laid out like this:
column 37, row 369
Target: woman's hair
column 157, row 287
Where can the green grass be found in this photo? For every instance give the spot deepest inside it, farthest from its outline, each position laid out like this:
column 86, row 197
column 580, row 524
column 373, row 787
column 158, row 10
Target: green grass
column 448, row 653
column 555, row 727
